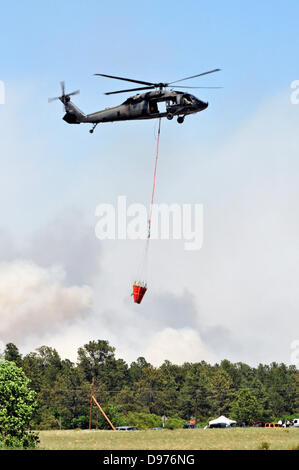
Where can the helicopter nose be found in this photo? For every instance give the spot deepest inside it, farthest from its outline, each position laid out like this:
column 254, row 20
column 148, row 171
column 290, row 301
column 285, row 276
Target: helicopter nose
column 202, row 105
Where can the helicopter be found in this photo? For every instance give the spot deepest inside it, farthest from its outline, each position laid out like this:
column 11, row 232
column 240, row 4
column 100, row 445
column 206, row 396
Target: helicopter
column 146, row 105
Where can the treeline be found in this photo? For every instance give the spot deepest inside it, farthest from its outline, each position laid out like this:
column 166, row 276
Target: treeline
column 139, row 394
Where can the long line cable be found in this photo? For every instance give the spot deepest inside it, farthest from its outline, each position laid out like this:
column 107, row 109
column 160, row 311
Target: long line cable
column 154, row 182
column 143, row 267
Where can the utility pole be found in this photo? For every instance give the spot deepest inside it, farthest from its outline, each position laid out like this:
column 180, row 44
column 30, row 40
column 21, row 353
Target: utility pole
column 93, row 399
column 103, row 413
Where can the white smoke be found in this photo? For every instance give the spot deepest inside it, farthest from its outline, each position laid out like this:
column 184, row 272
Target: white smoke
column 243, row 281
column 35, row 300
column 177, row 346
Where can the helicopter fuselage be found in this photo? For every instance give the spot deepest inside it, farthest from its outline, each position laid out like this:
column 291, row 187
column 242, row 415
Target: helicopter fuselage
column 150, row 105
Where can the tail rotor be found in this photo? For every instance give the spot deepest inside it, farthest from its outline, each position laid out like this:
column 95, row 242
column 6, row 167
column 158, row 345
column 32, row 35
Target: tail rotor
column 65, row 97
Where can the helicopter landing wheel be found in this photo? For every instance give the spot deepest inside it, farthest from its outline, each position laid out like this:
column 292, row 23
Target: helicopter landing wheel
column 93, row 128
column 169, row 116
column 181, row 119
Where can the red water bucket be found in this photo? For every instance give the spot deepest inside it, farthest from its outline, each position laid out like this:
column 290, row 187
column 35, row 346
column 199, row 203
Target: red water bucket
column 138, row 292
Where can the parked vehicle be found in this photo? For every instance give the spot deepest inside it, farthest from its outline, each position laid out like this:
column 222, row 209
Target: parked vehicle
column 219, row 425
column 296, row 423
column 190, row 426
column 259, row 424
column 238, row 425
column 126, row 428
column 273, row 425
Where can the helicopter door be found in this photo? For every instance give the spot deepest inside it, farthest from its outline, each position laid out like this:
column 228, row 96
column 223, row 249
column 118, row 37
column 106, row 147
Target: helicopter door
column 153, row 107
column 171, row 105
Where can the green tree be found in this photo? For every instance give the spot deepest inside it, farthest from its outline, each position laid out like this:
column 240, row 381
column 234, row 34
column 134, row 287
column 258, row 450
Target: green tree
column 114, row 414
column 175, row 423
column 246, row 408
column 296, row 388
column 70, row 393
column 260, row 392
column 17, row 404
column 174, row 377
column 94, row 359
column 127, row 399
column 117, row 374
column 200, row 389
column 136, row 368
column 32, row 370
column 11, row 353
column 143, row 420
column 149, row 390
column 195, row 397
column 49, row 363
column 234, row 371
column 221, row 392
column 280, row 384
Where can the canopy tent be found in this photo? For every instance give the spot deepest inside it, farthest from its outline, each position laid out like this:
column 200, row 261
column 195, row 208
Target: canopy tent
column 222, row 420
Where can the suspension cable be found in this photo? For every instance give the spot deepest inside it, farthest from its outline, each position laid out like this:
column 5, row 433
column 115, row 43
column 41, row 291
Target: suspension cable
column 154, row 182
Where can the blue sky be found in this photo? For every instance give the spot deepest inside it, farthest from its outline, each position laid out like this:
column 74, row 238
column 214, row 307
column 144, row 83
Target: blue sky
column 238, row 157
column 254, row 42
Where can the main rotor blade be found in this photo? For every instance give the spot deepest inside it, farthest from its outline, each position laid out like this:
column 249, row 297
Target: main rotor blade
column 194, row 76
column 131, row 89
column 62, row 84
column 53, row 99
column 125, row 79
column 73, row 93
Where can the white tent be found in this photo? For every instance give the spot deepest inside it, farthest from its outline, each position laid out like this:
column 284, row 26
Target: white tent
column 222, row 420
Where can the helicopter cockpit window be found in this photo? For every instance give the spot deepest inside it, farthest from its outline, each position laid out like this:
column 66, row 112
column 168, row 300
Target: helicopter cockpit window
column 187, row 100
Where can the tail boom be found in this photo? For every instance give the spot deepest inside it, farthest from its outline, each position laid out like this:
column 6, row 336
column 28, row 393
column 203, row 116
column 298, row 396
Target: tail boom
column 73, row 115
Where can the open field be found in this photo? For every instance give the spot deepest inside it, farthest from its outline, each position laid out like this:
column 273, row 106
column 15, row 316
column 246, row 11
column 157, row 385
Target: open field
column 185, row 439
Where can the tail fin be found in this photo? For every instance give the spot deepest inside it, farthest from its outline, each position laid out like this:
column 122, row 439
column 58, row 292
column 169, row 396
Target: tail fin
column 73, row 115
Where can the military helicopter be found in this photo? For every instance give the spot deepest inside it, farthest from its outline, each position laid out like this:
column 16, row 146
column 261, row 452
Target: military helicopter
column 150, row 105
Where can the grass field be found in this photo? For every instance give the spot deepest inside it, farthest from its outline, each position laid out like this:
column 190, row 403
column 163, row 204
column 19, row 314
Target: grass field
column 181, row 439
